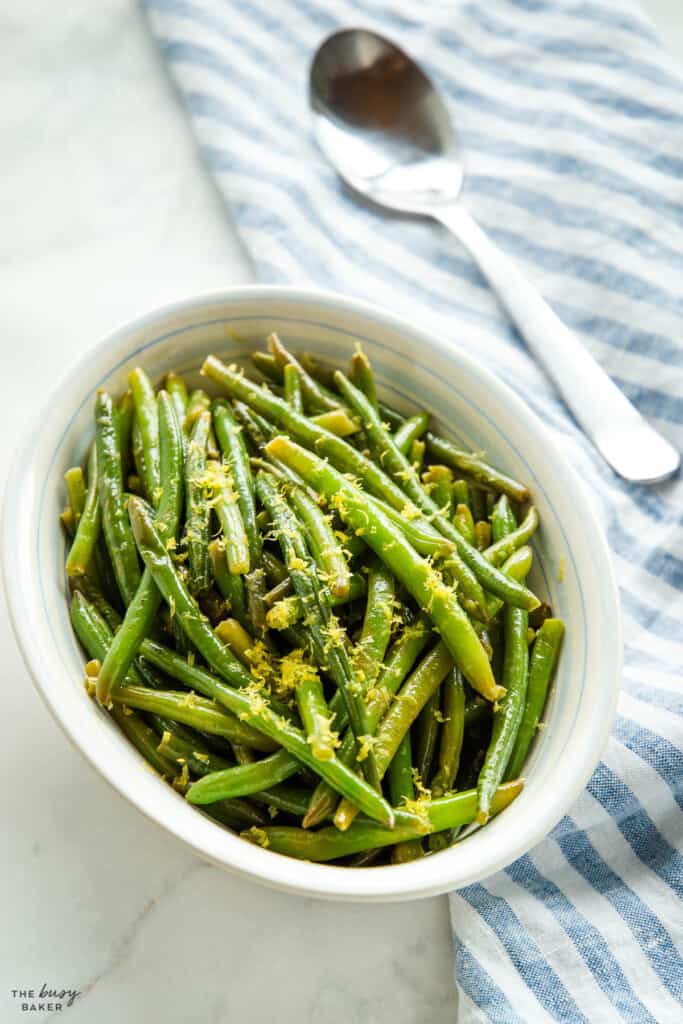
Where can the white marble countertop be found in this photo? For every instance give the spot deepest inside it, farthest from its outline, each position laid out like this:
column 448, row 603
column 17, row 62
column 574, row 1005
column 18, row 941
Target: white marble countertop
column 105, row 212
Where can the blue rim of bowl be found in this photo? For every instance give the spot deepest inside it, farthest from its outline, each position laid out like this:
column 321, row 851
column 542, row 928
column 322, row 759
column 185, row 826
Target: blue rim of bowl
column 362, row 309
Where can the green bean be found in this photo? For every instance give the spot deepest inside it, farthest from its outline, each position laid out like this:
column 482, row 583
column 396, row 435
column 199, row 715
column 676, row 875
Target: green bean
column 544, row 657
column 144, row 739
column 464, row 523
column 194, row 711
column 402, row 789
column 177, row 390
column 476, row 709
column 197, row 403
column 138, row 458
column 461, row 494
column 400, row 660
column 469, row 590
column 276, row 571
column 426, row 728
column 517, row 566
column 362, row 375
column 417, row 532
column 377, row 622
column 410, row 430
column 88, row 529
column 503, row 519
column 324, row 629
column 231, row 587
column 315, row 397
column 315, row 714
column 286, row 608
column 252, row 708
column 117, row 532
column 398, row 467
column 482, row 535
column 75, row 491
column 230, row 439
column 452, row 733
column 185, row 747
column 291, row 799
column 412, row 697
column 243, row 779
column 508, row 713
column 174, row 591
column 126, row 416
column 267, row 365
column 499, row 552
column 330, row 844
column 476, row 468
column 337, row 422
column 197, row 509
column 148, row 420
column 323, row 543
column 417, row 454
column 438, row 481
column 292, row 385
column 349, row 460
column 224, row 500
column 419, row 578
column 144, row 606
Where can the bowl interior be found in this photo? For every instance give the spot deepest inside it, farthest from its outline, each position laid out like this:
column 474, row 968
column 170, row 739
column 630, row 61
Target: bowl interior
column 571, row 571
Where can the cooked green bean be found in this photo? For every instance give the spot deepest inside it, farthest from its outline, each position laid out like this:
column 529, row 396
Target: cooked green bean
column 330, row 844
column 368, row 655
column 400, row 660
column 328, row 647
column 544, row 655
column 464, row 522
column 232, row 669
column 426, row 731
column 145, row 604
column 420, row 579
column 315, row 398
column 147, row 417
column 243, row 779
column 292, row 384
column 231, row 587
column 198, row 511
column 251, row 707
column 181, row 603
column 362, row 375
column 476, row 468
column 438, row 481
column 401, row 791
column 410, row 430
column 324, row 545
column 195, row 711
column 503, row 521
column 411, row 698
column 452, row 733
column 117, row 531
column 499, row 552
column 177, row 390
column 88, row 529
column 315, row 714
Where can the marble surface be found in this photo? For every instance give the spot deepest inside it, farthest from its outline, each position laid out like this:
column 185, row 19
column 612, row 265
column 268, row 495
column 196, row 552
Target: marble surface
column 106, row 212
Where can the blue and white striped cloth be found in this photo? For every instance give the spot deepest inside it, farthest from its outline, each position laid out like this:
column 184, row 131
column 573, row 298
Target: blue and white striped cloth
column 571, row 115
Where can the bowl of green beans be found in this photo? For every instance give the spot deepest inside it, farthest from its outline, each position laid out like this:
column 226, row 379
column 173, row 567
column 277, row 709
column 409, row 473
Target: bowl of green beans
column 316, row 592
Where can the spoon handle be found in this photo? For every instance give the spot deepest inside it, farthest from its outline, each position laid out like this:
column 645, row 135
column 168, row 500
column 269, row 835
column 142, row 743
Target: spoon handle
column 628, row 443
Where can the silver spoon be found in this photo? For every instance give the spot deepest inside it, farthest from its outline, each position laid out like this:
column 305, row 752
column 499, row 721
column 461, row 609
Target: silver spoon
column 385, row 129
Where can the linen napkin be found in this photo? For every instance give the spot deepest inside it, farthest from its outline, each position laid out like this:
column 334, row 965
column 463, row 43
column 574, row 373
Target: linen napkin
column 571, row 115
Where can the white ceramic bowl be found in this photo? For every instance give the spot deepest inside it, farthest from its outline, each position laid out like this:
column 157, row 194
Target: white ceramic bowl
column 470, row 404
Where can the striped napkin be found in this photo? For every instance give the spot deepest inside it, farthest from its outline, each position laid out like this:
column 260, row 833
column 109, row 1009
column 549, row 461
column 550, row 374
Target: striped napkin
column 571, row 116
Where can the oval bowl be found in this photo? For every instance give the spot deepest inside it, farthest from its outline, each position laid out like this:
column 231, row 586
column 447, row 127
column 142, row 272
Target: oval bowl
column 470, row 405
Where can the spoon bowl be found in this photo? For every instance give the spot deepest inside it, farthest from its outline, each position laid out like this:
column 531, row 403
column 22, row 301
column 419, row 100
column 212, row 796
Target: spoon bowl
column 386, row 130
column 382, row 123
